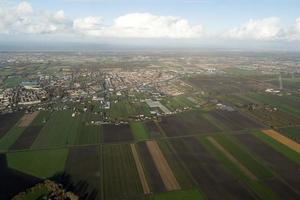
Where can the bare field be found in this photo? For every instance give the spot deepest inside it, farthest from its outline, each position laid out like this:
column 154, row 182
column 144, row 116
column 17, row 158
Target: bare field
column 163, row 167
column 27, row 119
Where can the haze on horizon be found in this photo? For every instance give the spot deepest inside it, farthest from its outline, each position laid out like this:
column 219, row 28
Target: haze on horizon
column 256, row 24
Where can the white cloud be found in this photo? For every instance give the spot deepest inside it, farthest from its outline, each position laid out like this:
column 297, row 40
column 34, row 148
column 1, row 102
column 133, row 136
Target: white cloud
column 139, row 25
column 24, row 8
column 294, row 32
column 262, row 29
column 88, row 24
column 24, row 19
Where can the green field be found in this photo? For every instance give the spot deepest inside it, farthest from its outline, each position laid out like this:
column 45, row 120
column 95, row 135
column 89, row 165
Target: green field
column 41, row 164
column 139, row 131
column 289, row 104
column 12, row 81
column 251, row 164
column 120, row 176
column 122, row 110
column 60, row 130
column 10, row 137
column 178, row 102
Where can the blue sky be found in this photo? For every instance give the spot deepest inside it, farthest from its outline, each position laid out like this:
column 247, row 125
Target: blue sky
column 226, row 20
column 214, row 13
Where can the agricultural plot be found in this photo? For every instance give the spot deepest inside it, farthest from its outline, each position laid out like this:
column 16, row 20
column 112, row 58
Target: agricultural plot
column 283, row 149
column 152, row 129
column 183, row 177
column 26, row 139
column 140, row 169
column 122, row 110
column 226, row 84
column 13, row 181
column 286, row 168
column 248, row 168
column 154, row 179
column 178, row 102
column 264, row 113
column 166, row 173
column 186, row 123
column 289, row 104
column 89, row 134
column 214, row 181
column 283, row 140
column 234, row 120
column 83, row 171
column 116, row 133
column 61, row 129
column 41, row 163
column 27, row 119
column 120, row 175
column 7, row 121
column 192, row 194
column 291, row 132
column 10, row 138
column 139, row 131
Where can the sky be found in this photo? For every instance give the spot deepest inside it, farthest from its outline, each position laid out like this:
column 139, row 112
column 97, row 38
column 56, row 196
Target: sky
column 194, row 23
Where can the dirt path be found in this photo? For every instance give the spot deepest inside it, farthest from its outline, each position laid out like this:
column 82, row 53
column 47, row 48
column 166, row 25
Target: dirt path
column 244, row 169
column 283, row 140
column 27, row 119
column 139, row 167
column 163, row 167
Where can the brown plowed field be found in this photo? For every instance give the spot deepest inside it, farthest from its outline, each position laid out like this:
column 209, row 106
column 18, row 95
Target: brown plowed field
column 163, row 167
column 27, row 119
column 139, row 167
column 282, row 139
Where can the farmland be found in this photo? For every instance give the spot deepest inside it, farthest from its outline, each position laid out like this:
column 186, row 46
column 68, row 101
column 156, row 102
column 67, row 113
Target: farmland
column 156, row 131
column 194, row 154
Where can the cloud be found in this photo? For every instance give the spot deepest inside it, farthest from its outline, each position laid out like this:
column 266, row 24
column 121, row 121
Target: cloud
column 139, row 25
column 294, row 32
column 23, row 19
column 261, row 29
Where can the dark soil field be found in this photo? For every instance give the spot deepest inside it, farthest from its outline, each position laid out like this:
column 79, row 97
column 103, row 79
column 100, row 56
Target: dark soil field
column 27, row 138
column 12, row 182
column 83, row 169
column 235, row 120
column 155, row 180
column 212, row 178
column 186, row 123
column 283, row 190
column 287, row 169
column 152, row 129
column 7, row 121
column 116, row 133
